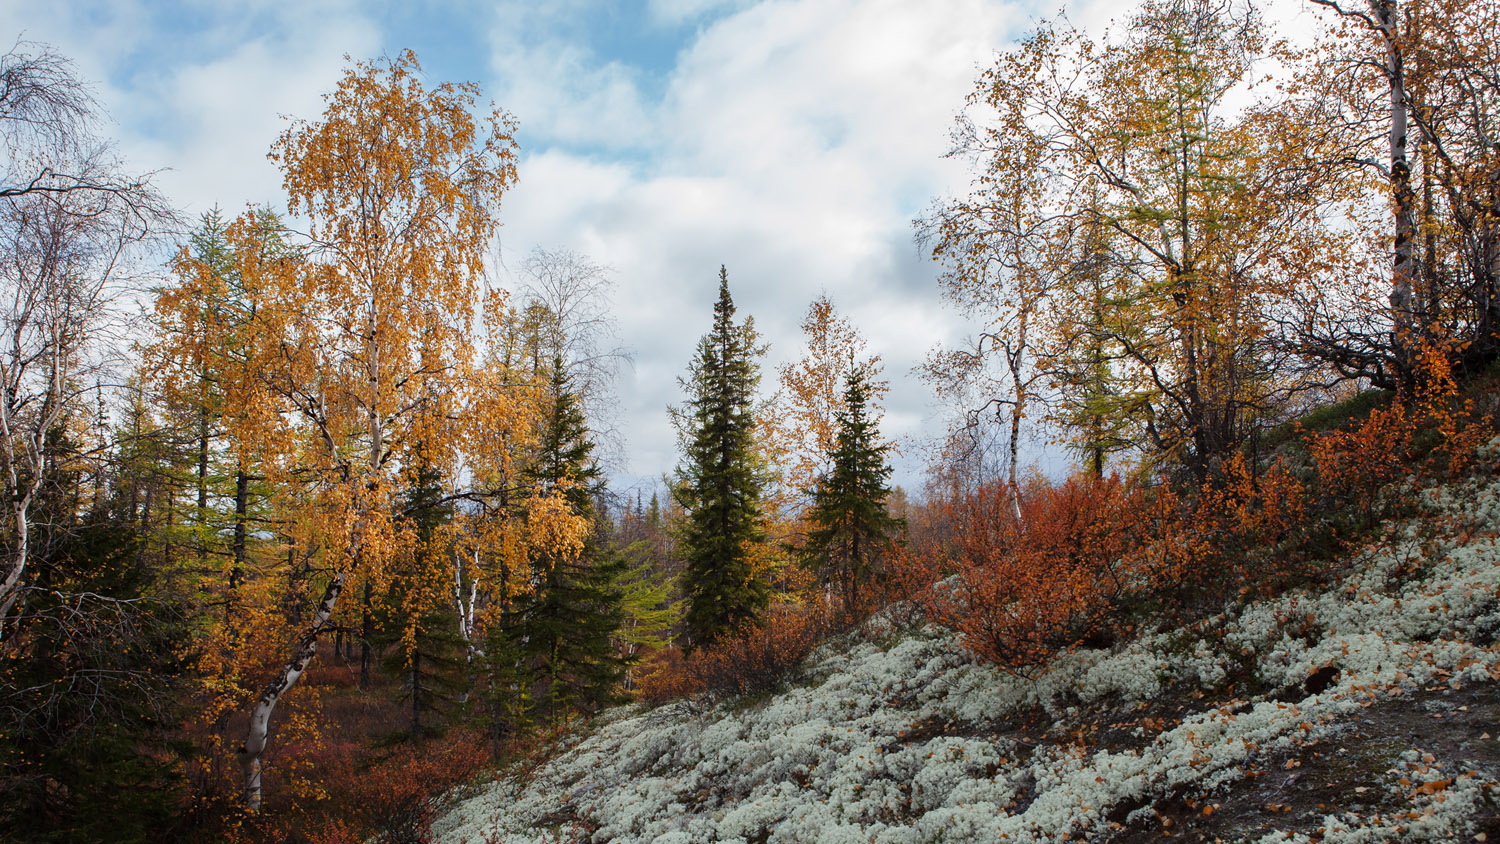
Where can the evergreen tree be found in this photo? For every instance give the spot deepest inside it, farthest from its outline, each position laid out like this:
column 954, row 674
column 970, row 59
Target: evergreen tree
column 650, row 613
column 557, row 641
column 92, row 671
column 851, row 528
column 416, row 625
column 202, row 322
column 719, row 485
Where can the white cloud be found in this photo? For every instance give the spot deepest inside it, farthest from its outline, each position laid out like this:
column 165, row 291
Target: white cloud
column 795, row 141
column 792, row 140
column 679, row 12
column 205, row 103
column 560, row 89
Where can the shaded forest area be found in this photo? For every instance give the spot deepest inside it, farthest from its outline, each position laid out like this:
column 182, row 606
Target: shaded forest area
column 326, row 533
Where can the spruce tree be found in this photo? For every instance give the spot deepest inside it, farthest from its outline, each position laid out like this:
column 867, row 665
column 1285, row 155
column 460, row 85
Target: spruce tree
column 557, row 641
column 94, row 678
column 719, row 484
column 851, row 530
column 415, row 626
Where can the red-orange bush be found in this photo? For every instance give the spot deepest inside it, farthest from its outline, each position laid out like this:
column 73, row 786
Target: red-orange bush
column 1246, row 524
column 1063, row 564
column 367, row 794
column 1431, row 432
column 664, row 676
column 392, row 800
column 1038, row 574
column 756, row 658
column 1021, row 577
column 1354, row 465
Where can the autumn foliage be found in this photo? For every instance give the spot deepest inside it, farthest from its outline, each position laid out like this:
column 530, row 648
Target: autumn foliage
column 397, row 795
column 1023, row 586
column 755, row 658
column 1061, row 565
column 389, row 796
column 341, row 436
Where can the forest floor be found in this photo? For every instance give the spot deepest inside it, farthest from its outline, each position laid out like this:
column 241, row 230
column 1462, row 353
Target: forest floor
column 1363, row 711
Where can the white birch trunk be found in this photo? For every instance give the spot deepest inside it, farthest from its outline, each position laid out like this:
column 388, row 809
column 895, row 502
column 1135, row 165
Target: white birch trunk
column 465, row 607
column 1403, row 304
column 260, row 716
column 1016, row 361
column 22, row 447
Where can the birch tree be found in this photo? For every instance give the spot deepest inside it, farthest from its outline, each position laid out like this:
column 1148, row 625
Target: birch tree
column 1410, row 91
column 1134, row 145
column 71, row 221
column 363, row 348
column 1004, row 252
column 798, row 427
column 581, row 329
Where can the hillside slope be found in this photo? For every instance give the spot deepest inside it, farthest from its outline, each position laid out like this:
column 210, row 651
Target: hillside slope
column 1363, row 713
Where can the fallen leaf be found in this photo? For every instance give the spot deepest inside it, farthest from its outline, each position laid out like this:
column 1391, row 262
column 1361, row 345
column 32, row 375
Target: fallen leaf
column 1433, row 787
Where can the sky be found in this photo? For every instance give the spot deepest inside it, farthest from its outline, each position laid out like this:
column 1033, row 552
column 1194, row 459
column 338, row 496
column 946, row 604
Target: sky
column 792, row 141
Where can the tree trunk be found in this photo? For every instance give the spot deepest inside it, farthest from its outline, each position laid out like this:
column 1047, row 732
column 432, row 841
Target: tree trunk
column 241, row 534
column 168, row 546
column 10, row 590
column 416, row 695
column 1402, row 274
column 203, row 486
column 260, row 717
column 366, row 630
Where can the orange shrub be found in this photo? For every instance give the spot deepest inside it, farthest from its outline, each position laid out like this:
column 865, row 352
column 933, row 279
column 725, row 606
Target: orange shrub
column 1064, row 565
column 756, row 658
column 368, row 795
column 1021, row 578
column 1355, row 464
column 1044, row 573
column 1247, row 524
column 664, row 676
column 397, row 794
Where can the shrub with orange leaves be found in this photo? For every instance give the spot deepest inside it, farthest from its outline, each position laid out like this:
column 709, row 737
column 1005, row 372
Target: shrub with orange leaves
column 1023, row 575
column 387, row 798
column 1067, row 564
column 756, row 658
column 395, row 798
column 1354, row 465
column 1038, row 574
column 1433, row 431
column 664, row 676
column 1247, row 524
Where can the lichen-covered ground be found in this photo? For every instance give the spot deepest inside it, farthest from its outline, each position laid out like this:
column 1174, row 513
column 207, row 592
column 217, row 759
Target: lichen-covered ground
column 1365, row 713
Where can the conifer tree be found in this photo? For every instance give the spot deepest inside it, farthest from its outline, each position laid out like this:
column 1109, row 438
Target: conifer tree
column 92, row 678
column 650, row 613
column 415, row 624
column 558, row 639
column 719, row 485
column 850, row 527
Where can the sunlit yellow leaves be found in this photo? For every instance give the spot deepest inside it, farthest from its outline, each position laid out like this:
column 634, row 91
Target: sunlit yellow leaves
column 343, row 358
column 554, row 530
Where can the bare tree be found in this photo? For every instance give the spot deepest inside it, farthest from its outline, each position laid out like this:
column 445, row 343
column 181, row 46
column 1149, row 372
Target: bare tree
column 577, row 324
column 67, row 233
column 46, row 129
